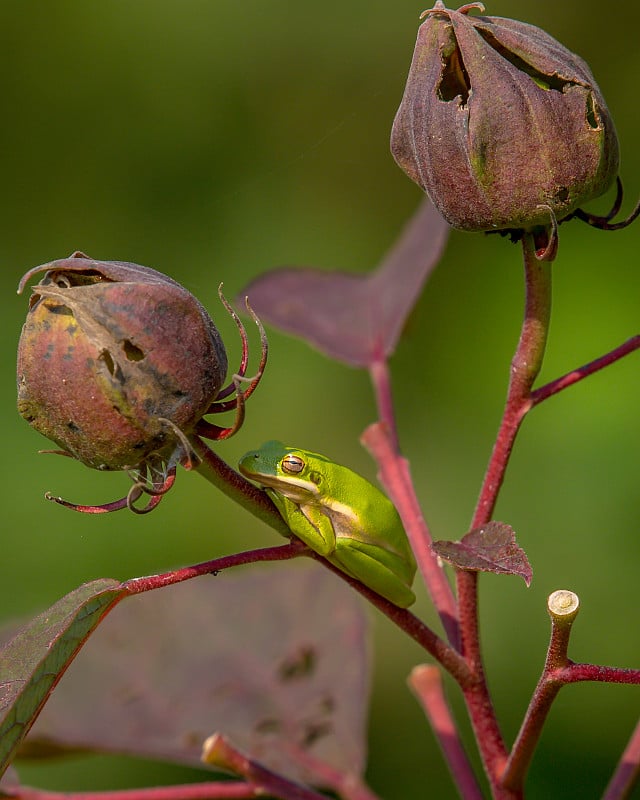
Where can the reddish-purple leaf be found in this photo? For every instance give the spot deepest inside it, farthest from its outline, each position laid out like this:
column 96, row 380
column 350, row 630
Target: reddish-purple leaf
column 491, row 548
column 10, row 783
column 275, row 658
column 32, row 662
column 354, row 318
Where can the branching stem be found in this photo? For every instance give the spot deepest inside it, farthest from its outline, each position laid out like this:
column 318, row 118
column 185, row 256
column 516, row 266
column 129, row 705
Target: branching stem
column 219, row 752
column 576, row 375
column 563, row 608
column 525, row 367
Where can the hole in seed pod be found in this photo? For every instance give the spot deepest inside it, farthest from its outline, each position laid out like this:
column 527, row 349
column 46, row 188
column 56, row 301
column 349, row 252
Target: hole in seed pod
column 106, row 357
column 454, row 81
column 132, row 352
column 112, row 366
column 562, row 195
column 58, row 308
column 66, row 280
column 593, row 115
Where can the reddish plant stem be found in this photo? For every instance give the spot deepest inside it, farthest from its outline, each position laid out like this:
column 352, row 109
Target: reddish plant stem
column 558, row 671
column 426, row 683
column 230, row 790
column 396, row 478
column 628, row 770
column 443, row 653
column 347, row 785
column 577, row 673
column 236, row 486
column 219, row 752
column 221, row 475
column 525, row 367
column 282, row 552
column 576, row 375
column 381, row 382
column 563, row 613
column 415, row 628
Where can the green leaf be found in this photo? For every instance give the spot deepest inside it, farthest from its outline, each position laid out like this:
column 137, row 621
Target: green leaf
column 33, row 661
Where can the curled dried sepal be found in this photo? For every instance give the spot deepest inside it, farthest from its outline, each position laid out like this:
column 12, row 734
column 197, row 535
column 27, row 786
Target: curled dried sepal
column 501, row 125
column 604, row 223
column 118, row 364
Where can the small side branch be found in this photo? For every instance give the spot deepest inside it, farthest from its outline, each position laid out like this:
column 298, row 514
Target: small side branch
column 563, row 608
column 559, row 671
column 628, row 770
column 219, row 752
column 579, row 673
column 347, row 785
column 576, row 375
column 426, row 683
column 282, row 552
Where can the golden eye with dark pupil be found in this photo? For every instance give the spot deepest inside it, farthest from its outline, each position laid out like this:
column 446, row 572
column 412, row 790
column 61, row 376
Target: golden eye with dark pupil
column 293, row 464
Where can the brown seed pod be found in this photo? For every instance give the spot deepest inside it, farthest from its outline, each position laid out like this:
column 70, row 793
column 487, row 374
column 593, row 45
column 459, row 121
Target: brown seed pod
column 502, row 126
column 117, row 364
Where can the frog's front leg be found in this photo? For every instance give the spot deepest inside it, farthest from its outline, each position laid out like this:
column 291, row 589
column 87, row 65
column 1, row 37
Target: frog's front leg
column 308, row 523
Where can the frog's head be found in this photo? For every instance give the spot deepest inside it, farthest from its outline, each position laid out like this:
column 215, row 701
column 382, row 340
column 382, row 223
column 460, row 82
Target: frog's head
column 296, row 474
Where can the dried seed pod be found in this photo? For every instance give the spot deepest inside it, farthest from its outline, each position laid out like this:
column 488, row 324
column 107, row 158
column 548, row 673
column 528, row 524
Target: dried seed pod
column 118, row 364
column 113, row 358
column 502, row 126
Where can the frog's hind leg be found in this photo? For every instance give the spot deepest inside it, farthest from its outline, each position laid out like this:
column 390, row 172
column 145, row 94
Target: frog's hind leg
column 374, row 567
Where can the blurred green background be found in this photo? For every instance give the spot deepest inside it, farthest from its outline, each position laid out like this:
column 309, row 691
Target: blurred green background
column 214, row 140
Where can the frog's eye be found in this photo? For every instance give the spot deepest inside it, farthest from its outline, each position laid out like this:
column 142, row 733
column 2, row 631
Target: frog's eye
column 292, row 464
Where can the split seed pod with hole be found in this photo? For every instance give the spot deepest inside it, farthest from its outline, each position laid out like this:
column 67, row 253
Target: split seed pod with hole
column 502, row 126
column 112, row 358
column 118, row 364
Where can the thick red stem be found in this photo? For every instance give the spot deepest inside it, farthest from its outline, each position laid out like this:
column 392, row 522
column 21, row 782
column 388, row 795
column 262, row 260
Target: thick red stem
column 525, row 367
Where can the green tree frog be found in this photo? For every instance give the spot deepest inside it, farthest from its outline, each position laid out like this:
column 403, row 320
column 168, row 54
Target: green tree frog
column 339, row 514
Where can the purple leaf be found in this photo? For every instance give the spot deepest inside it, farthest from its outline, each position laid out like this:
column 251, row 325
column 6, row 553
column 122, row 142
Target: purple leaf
column 274, row 658
column 10, row 784
column 491, row 548
column 354, row 318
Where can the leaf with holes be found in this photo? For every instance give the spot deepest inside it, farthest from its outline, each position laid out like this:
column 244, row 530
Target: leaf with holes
column 491, row 548
column 234, row 654
column 356, row 319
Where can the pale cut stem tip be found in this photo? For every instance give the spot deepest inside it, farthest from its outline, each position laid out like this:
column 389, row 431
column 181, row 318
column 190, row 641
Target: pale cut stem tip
column 563, row 605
